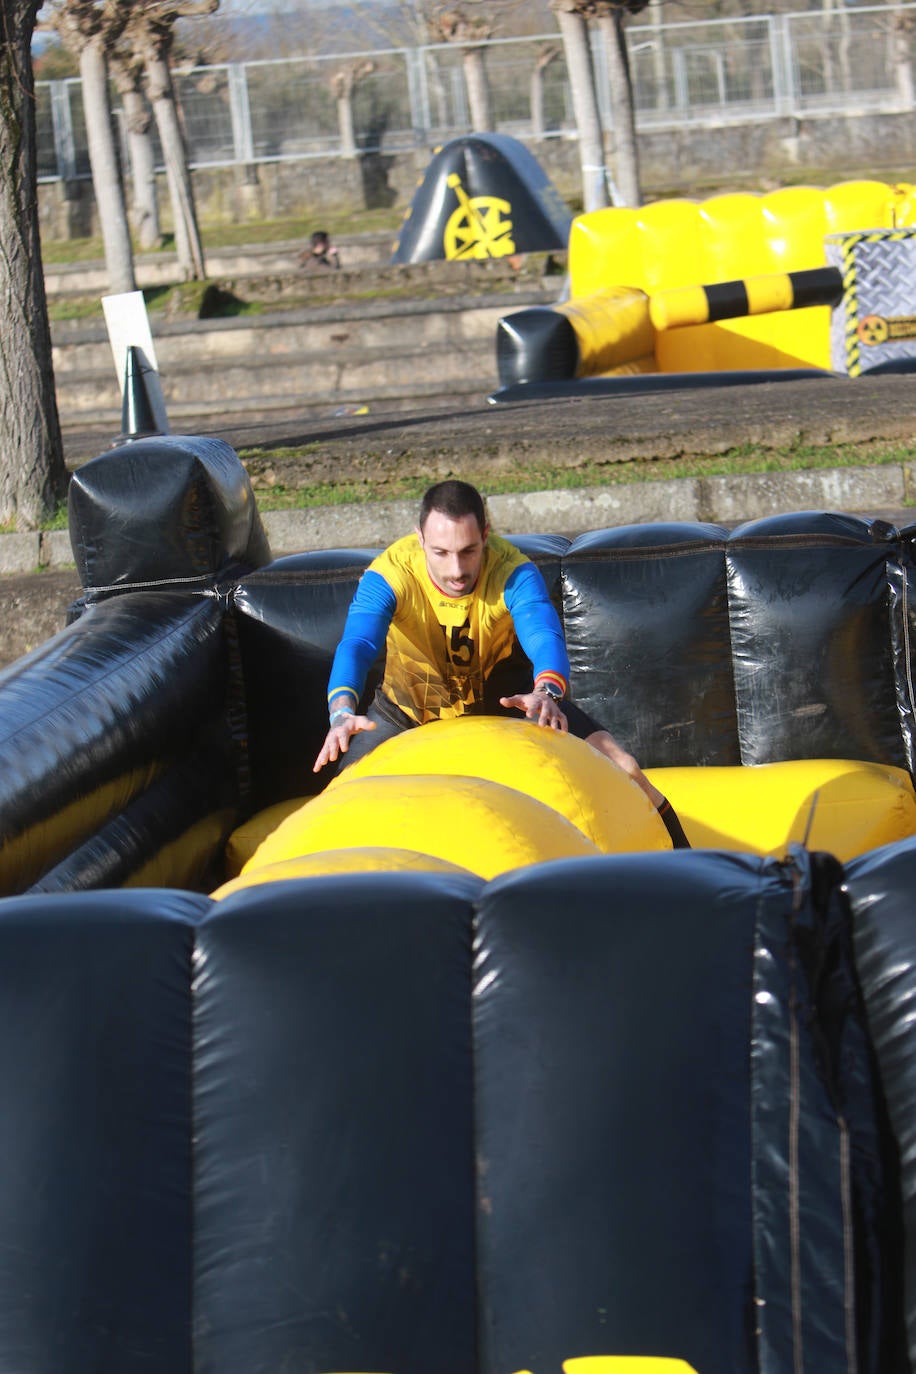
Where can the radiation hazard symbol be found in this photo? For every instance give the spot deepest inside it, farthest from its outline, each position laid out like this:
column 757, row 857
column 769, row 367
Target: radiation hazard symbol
column 872, row 329
column 875, row 329
column 479, row 228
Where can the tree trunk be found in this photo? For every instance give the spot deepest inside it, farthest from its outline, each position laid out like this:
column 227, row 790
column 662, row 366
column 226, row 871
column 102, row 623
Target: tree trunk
column 478, row 88
column 345, row 124
column 187, row 235
column 536, row 90
column 901, row 28
column 32, row 473
column 626, row 156
column 574, row 31
column 659, row 64
column 144, row 209
column 106, row 172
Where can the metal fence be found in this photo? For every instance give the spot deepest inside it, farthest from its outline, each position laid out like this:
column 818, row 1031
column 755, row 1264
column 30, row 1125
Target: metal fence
column 703, row 72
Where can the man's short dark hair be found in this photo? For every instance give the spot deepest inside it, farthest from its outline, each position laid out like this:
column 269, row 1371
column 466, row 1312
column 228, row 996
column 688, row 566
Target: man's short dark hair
column 454, row 499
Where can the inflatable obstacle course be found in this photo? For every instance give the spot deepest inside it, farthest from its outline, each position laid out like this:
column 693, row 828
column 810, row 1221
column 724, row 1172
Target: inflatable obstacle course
column 377, row 1112
column 735, row 283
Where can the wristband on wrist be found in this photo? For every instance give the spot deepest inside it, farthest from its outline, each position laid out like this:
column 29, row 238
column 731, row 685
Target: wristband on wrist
column 338, row 715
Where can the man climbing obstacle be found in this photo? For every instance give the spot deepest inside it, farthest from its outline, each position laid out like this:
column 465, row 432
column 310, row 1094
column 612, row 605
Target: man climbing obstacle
column 452, row 604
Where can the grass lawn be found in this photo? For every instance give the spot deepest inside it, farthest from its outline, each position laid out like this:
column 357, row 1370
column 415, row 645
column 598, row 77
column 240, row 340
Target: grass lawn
column 274, row 495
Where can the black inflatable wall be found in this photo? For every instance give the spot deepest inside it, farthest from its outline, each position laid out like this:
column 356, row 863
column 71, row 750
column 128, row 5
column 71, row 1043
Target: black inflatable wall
column 174, row 508
column 779, row 640
column 786, row 638
column 694, row 645
column 125, row 737
column 130, row 699
column 290, row 617
column 880, row 890
column 414, row 1122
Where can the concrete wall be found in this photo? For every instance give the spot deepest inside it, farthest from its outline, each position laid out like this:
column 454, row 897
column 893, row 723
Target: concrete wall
column 691, row 161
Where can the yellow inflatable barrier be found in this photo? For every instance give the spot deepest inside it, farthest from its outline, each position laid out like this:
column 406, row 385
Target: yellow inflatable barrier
column 681, row 243
column 478, row 825
column 731, row 300
column 839, row 805
column 369, row 859
column 623, row 1364
column 246, row 837
column 559, row 770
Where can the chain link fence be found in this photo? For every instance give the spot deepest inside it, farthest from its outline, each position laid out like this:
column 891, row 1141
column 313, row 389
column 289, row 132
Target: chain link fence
column 709, row 72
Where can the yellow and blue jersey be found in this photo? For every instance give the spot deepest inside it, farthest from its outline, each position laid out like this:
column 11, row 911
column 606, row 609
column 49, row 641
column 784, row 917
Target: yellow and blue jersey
column 440, row 649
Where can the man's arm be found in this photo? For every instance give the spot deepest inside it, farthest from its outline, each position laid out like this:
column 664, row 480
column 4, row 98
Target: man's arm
column 540, row 634
column 364, row 634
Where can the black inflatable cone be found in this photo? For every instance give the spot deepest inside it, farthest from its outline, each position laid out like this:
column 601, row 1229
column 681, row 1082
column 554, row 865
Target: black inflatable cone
column 137, row 417
column 483, row 196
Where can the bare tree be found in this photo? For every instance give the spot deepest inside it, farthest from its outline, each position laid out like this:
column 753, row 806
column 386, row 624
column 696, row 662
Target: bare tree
column 33, row 477
column 91, row 29
column 610, row 16
column 547, row 53
column 150, row 34
column 343, row 83
column 903, row 25
column 127, row 71
column 572, row 18
column 471, row 35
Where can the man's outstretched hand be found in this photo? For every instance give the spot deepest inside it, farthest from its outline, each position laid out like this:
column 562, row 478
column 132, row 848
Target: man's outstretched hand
column 337, row 740
column 539, row 707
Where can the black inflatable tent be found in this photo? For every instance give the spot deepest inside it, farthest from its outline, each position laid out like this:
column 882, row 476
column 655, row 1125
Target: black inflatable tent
column 483, row 196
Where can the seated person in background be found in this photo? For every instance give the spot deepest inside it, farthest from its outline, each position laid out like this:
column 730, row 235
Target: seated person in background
column 320, row 252
column 451, row 603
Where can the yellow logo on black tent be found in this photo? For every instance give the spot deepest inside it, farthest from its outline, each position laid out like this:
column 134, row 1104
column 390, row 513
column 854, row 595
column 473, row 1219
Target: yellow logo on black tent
column 479, row 228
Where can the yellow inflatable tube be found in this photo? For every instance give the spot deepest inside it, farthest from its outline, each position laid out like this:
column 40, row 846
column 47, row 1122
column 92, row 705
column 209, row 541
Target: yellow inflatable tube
column 478, row 825
column 839, row 805
column 369, row 859
column 562, row 772
column 614, row 332
column 686, row 305
column 481, row 794
column 623, row 1364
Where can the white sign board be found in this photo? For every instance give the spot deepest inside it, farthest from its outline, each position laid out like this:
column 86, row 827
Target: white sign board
column 128, row 327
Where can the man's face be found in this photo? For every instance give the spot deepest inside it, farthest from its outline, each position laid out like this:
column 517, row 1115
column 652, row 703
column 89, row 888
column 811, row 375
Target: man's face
column 453, row 550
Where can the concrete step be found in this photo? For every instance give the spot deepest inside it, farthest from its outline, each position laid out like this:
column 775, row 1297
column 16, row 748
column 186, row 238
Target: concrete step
column 225, row 385
column 373, row 353
column 362, row 251
column 386, row 325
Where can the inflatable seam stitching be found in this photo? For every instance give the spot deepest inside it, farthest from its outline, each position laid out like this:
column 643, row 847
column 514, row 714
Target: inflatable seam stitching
column 906, row 645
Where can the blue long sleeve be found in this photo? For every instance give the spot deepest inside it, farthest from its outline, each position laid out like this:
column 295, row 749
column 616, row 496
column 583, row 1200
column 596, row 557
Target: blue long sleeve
column 537, row 624
column 364, row 634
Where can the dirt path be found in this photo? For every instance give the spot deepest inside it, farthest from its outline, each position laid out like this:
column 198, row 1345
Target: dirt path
column 559, row 433
column 482, row 439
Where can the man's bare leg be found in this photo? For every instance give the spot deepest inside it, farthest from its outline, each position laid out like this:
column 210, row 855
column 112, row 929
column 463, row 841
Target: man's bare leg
column 605, row 744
